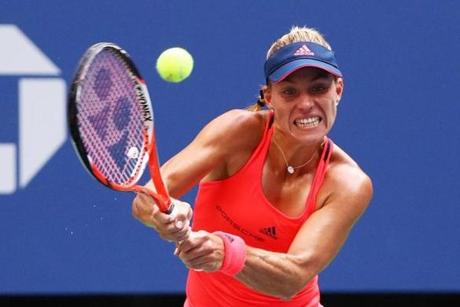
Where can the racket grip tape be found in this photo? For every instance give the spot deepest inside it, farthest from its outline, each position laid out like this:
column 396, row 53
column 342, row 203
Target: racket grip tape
column 234, row 253
column 165, row 204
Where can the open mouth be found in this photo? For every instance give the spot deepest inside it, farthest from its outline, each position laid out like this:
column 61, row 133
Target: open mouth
column 309, row 122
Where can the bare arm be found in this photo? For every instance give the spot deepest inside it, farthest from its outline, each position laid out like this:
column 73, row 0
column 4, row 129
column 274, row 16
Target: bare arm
column 315, row 246
column 210, row 155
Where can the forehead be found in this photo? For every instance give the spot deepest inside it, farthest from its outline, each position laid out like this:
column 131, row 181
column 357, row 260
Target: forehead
column 308, row 74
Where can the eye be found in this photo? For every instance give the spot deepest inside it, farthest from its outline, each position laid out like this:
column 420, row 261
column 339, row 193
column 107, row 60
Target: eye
column 289, row 91
column 319, row 88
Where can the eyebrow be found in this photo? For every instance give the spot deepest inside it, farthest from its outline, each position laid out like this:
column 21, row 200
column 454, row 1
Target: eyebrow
column 321, row 74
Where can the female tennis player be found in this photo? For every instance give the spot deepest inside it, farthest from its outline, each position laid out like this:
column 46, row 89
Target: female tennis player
column 277, row 198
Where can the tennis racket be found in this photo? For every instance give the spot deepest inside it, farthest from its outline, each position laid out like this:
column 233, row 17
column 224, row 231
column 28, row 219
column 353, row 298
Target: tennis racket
column 111, row 122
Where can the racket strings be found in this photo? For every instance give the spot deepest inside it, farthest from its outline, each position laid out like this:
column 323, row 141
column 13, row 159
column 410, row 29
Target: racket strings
column 110, row 120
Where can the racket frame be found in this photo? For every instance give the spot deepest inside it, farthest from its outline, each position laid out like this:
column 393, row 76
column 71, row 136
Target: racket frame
column 161, row 196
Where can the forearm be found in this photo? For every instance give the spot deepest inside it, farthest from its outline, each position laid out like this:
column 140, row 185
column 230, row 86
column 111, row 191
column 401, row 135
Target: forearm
column 276, row 274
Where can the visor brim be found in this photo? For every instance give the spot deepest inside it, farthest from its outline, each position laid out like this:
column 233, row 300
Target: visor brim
column 281, row 73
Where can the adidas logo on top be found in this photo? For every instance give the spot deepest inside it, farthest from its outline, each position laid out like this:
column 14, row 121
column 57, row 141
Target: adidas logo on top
column 269, row 231
column 303, row 51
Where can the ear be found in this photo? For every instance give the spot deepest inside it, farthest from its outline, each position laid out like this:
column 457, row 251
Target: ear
column 266, row 90
column 339, row 85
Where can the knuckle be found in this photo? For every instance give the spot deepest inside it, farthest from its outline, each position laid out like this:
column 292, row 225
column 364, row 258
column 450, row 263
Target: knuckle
column 209, row 245
column 201, row 233
column 134, row 211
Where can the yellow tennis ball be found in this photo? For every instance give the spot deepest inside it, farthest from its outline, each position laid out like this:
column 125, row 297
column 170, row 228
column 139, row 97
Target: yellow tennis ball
column 175, row 64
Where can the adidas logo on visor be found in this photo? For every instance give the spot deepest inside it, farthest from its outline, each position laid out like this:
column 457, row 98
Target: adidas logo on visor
column 303, row 51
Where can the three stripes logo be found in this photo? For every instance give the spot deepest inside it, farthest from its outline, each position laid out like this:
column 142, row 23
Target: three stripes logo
column 304, row 50
column 269, row 231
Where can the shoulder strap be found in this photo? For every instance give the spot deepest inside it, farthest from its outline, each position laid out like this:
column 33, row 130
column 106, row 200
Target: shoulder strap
column 265, row 140
column 319, row 175
column 253, row 164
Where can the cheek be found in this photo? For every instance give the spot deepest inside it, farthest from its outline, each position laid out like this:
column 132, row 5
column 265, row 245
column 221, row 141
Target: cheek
column 282, row 117
column 279, row 108
column 334, row 114
column 331, row 112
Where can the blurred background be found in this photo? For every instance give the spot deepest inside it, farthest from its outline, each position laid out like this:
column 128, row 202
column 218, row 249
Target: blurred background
column 66, row 240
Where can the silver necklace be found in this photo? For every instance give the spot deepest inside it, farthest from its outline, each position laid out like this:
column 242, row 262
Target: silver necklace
column 291, row 169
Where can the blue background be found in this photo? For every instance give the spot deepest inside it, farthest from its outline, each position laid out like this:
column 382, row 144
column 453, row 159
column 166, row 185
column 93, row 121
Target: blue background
column 398, row 118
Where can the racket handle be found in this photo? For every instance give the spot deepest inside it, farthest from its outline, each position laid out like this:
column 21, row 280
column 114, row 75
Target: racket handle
column 164, row 203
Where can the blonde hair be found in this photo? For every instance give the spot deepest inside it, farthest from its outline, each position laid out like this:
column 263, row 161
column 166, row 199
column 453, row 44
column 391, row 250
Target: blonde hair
column 260, row 103
column 296, row 34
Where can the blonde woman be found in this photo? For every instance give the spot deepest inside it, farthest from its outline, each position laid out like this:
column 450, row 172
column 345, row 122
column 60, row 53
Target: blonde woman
column 277, row 198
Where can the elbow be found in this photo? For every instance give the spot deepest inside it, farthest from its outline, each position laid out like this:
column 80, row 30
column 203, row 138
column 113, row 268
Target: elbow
column 290, row 289
column 288, row 293
column 287, row 296
column 300, row 279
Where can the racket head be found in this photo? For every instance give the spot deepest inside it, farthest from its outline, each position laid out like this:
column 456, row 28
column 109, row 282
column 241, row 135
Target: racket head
column 110, row 117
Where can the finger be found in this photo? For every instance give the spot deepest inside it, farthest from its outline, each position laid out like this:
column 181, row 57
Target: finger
column 194, row 244
column 179, row 224
column 145, row 200
column 184, row 234
column 161, row 217
column 193, row 240
column 207, row 264
column 170, row 232
column 140, row 215
column 142, row 206
column 194, row 255
column 134, row 210
column 203, row 260
column 181, row 235
column 181, row 213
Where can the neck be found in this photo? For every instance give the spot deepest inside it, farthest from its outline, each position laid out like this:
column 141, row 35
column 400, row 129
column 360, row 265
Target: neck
column 293, row 157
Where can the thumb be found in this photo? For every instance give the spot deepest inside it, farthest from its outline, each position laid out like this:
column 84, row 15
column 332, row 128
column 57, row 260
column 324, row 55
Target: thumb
column 179, row 223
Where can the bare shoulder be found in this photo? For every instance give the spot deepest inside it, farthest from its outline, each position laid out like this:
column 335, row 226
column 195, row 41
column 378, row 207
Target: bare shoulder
column 237, row 120
column 346, row 184
column 230, row 139
column 235, row 128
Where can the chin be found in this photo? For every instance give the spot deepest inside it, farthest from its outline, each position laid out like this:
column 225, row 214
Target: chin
column 309, row 134
column 310, row 137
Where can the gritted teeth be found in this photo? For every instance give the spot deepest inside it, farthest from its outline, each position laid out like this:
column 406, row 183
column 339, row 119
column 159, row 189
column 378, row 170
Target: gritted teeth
column 308, row 122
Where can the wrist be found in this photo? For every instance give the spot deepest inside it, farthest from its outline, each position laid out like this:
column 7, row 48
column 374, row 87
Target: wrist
column 234, row 253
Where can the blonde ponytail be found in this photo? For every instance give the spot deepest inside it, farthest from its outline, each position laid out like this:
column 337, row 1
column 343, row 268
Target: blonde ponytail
column 259, row 104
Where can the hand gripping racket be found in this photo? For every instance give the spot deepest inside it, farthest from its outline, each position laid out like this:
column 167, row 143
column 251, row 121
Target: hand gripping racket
column 111, row 122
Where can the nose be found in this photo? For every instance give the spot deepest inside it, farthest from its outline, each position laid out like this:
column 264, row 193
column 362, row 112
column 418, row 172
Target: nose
column 305, row 102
